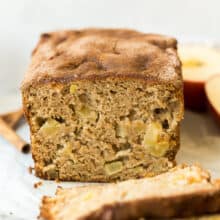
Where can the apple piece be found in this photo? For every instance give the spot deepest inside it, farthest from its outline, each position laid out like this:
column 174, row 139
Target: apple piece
column 212, row 90
column 194, row 96
column 199, row 62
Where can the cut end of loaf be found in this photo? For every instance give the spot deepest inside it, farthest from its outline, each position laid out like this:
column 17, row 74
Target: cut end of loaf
column 103, row 130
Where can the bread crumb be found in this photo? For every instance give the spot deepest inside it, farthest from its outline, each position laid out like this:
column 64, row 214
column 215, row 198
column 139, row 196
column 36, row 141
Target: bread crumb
column 30, row 169
column 57, row 180
column 36, row 185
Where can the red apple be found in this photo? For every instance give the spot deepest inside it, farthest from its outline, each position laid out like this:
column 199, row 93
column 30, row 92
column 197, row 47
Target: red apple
column 212, row 90
column 199, row 62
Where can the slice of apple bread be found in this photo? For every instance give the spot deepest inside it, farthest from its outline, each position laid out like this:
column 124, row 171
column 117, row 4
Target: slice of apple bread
column 103, row 105
column 184, row 191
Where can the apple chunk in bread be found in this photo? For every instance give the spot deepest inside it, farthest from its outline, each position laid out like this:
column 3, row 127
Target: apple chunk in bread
column 199, row 62
column 212, row 89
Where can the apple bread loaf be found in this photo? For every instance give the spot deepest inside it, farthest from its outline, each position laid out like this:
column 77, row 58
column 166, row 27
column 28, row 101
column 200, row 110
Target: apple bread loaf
column 103, row 105
column 184, row 191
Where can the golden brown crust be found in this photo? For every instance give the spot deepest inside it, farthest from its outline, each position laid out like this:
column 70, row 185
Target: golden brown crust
column 100, row 53
column 195, row 204
column 44, row 210
column 177, row 206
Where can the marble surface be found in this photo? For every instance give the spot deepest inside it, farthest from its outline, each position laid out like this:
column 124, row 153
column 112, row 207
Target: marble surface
column 200, row 143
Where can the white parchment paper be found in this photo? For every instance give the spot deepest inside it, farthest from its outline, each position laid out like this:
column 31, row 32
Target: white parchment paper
column 19, row 200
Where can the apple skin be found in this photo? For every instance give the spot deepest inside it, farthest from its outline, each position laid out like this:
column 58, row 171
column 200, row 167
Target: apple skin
column 194, row 95
column 214, row 113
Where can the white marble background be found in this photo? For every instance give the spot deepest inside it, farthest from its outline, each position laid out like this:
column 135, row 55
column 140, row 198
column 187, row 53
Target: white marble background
column 21, row 22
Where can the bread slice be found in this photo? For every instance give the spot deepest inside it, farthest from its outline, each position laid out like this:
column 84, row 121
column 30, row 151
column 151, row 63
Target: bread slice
column 103, row 105
column 184, row 191
column 206, row 217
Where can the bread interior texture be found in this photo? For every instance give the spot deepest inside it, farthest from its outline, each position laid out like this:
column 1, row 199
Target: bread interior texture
column 103, row 130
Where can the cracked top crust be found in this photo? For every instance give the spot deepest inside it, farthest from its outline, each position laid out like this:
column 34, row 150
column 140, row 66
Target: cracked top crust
column 99, row 53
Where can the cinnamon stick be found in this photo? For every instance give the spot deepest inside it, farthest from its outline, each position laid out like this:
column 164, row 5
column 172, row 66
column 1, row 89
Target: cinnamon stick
column 13, row 118
column 9, row 134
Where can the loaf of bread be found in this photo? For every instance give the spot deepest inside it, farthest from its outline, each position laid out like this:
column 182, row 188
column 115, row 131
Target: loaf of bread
column 103, row 105
column 184, row 191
